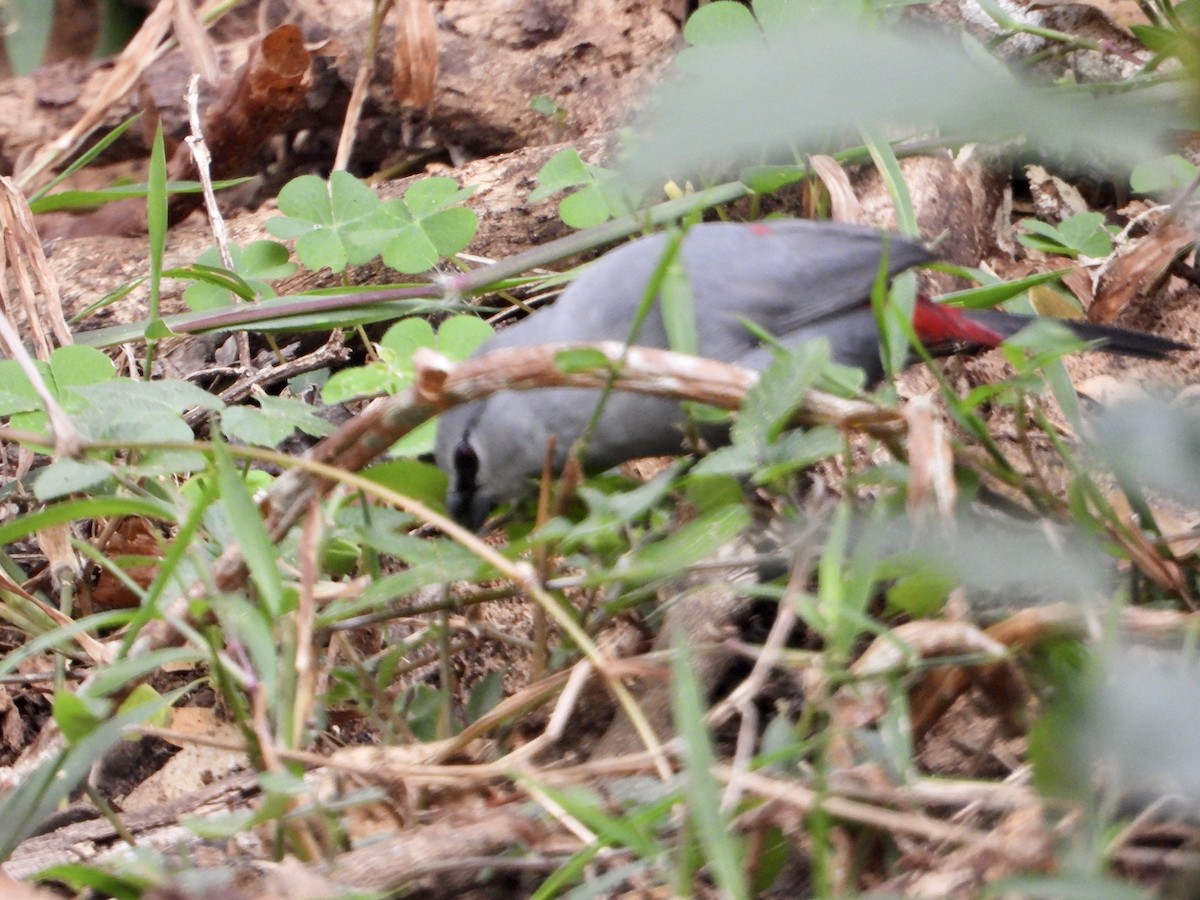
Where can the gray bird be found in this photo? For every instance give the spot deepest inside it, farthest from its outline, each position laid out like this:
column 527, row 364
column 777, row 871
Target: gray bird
column 796, row 279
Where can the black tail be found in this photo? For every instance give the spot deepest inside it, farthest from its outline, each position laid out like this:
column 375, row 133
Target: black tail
column 1113, row 340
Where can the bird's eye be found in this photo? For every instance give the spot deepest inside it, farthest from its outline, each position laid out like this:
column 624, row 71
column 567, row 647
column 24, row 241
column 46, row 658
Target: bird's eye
column 466, row 466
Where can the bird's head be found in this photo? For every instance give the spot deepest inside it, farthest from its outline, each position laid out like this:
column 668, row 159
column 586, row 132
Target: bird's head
column 490, row 450
column 467, row 502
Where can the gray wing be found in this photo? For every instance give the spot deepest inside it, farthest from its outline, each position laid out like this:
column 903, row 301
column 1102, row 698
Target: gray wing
column 784, row 276
column 792, row 277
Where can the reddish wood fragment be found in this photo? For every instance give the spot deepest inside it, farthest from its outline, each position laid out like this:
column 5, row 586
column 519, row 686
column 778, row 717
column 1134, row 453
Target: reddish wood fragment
column 255, row 105
column 135, row 536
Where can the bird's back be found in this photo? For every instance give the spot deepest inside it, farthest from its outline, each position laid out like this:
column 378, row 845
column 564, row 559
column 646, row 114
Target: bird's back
column 790, row 277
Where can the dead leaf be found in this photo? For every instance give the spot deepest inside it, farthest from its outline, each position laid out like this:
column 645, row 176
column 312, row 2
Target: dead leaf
column 199, row 763
column 134, row 536
column 1047, row 301
column 1053, row 198
column 415, row 54
column 1139, row 269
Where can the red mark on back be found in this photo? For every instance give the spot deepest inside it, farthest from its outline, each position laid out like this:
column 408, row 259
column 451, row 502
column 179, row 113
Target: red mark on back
column 759, row 228
column 937, row 324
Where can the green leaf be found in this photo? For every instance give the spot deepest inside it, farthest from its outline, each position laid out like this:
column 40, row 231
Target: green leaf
column 1165, row 41
column 1081, row 234
column 252, row 265
column 142, row 695
column 276, row 420
column 73, row 510
column 406, row 337
column 678, row 311
column 686, row 545
column 485, row 696
column 262, row 259
column 411, row 249
column 250, row 626
column 174, row 395
column 614, row 829
column 16, row 392
column 75, row 716
column 84, row 200
column 460, row 336
column 1045, row 245
column 78, row 876
column 1087, row 233
column 563, row 170
column 70, row 476
column 157, row 329
column 339, row 557
column 419, row 441
column 607, row 512
column 545, row 105
column 723, row 848
column 425, row 226
column 394, row 369
column 418, row 480
column 795, row 451
column 720, row 22
column 450, row 230
column 585, row 360
column 350, row 200
column 321, row 249
column 456, row 338
column 360, row 381
column 255, row 544
column 735, row 459
column 922, row 591
column 329, row 220
column 600, row 195
column 584, row 209
column 156, row 215
column 1038, row 227
column 82, row 160
column 214, row 288
column 430, row 195
column 434, row 562
column 991, row 295
column 769, row 179
column 780, row 389
column 1164, row 175
column 76, row 365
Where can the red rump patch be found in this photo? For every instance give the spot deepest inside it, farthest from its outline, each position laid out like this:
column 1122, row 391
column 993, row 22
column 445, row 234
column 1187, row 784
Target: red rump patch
column 937, row 324
column 759, row 229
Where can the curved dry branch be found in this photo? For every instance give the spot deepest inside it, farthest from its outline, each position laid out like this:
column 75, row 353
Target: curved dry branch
column 441, row 385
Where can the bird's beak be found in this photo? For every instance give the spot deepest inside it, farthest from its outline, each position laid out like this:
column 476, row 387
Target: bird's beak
column 470, row 508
